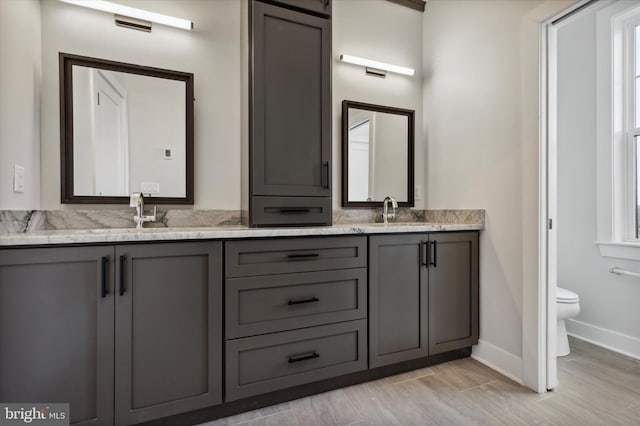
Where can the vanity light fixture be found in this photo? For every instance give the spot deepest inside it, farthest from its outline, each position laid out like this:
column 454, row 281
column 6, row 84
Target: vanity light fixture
column 142, row 19
column 375, row 68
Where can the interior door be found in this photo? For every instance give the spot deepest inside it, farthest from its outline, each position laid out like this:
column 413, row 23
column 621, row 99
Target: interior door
column 111, row 168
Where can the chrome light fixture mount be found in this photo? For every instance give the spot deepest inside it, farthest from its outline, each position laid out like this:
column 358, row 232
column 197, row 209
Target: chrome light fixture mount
column 375, row 68
column 131, row 17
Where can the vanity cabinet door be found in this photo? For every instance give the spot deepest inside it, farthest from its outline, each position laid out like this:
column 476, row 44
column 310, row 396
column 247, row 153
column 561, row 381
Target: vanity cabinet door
column 453, row 291
column 168, row 325
column 56, row 329
column 291, row 103
column 397, row 299
column 316, row 6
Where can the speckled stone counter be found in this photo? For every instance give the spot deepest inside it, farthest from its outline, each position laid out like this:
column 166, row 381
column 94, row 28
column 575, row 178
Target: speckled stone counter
column 28, row 228
column 114, row 235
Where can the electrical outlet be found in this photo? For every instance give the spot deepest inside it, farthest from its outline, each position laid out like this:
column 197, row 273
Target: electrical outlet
column 418, row 192
column 18, row 178
column 150, row 187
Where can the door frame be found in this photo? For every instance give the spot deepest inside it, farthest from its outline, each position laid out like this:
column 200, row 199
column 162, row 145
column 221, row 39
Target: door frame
column 546, row 377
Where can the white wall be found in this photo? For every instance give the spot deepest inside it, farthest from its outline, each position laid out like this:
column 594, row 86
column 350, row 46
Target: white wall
column 610, row 304
column 20, row 59
column 212, row 52
column 386, row 32
column 481, row 125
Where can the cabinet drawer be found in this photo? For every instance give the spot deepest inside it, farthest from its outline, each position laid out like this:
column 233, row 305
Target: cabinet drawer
column 265, row 257
column 263, row 364
column 259, row 305
column 288, row 211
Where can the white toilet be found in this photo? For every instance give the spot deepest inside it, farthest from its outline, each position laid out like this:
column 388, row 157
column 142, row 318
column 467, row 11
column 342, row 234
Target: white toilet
column 567, row 306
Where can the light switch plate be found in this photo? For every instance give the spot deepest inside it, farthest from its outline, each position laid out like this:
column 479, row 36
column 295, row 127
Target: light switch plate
column 418, row 192
column 18, row 178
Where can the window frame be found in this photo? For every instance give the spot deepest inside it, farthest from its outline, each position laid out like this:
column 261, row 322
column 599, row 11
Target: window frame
column 616, row 166
column 626, row 130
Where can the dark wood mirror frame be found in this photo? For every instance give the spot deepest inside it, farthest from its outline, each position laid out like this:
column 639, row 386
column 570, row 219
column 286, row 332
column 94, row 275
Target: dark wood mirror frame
column 410, row 114
column 66, row 61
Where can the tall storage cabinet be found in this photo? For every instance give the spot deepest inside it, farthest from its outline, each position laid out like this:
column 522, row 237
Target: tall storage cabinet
column 290, row 116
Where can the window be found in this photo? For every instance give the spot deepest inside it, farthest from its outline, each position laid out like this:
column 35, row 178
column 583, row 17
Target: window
column 626, row 126
column 618, row 129
column 633, row 110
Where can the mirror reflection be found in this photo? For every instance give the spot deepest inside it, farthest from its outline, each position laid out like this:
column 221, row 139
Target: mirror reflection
column 128, row 134
column 378, row 154
column 126, row 129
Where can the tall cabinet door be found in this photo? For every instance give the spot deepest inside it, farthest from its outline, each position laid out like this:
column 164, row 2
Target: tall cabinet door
column 453, row 291
column 397, row 299
column 168, row 329
column 291, row 103
column 56, row 329
column 316, row 6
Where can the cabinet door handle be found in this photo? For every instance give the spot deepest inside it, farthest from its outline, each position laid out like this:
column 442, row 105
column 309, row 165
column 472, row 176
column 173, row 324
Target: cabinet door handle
column 434, row 253
column 123, row 260
column 303, row 357
column 302, row 256
column 298, row 302
column 326, row 175
column 295, row 210
column 103, row 265
column 424, row 253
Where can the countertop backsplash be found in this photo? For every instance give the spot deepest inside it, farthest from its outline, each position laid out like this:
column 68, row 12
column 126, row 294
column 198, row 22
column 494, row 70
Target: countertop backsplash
column 21, row 221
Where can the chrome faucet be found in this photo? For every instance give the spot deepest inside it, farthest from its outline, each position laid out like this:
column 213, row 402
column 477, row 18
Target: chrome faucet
column 137, row 201
column 385, row 213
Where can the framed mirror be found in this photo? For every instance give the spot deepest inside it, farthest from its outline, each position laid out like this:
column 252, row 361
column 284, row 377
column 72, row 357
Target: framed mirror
column 377, row 154
column 124, row 128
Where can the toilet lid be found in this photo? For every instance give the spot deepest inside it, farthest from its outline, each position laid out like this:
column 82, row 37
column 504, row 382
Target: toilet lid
column 565, row 296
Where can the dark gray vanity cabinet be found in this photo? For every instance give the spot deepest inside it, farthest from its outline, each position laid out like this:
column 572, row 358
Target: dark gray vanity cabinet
column 398, row 299
column 168, row 329
column 295, row 312
column 56, row 329
column 453, row 291
column 322, row 7
column 290, row 117
column 423, row 295
column 125, row 333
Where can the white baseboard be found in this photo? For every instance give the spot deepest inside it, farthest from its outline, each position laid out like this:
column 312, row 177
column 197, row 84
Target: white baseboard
column 498, row 359
column 608, row 339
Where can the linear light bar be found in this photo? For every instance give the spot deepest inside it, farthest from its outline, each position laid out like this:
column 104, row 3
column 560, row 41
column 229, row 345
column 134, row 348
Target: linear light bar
column 132, row 12
column 377, row 65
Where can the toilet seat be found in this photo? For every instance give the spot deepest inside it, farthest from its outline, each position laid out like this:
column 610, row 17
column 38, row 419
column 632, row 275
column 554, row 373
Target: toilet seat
column 565, row 296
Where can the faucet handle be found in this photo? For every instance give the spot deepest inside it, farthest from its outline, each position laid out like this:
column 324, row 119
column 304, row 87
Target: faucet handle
column 134, row 200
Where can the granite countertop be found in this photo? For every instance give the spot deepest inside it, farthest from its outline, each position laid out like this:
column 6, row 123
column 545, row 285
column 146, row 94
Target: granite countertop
column 115, row 235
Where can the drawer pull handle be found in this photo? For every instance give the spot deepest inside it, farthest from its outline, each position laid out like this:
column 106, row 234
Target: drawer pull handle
column 298, row 302
column 303, row 357
column 302, row 256
column 293, row 210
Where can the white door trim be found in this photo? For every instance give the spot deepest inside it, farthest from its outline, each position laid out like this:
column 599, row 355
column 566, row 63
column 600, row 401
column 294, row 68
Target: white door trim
column 547, row 257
